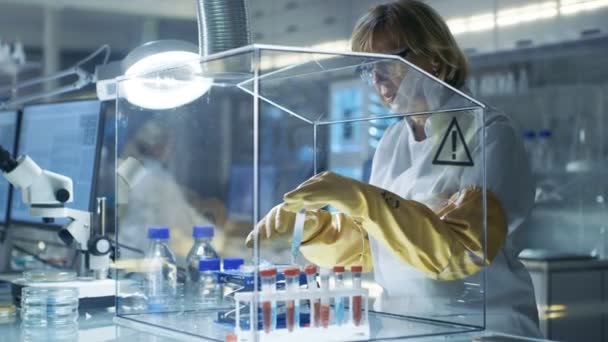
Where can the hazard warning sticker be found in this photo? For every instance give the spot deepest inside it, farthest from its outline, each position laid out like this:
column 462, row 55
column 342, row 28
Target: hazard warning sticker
column 453, row 149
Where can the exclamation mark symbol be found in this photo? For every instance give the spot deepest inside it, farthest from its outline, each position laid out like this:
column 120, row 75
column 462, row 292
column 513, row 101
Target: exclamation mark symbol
column 454, row 137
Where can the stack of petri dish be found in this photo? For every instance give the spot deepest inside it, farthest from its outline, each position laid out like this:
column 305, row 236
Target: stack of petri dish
column 49, row 306
column 46, row 276
column 44, row 304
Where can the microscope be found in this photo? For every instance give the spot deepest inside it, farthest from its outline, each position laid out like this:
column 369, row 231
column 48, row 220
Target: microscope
column 47, row 193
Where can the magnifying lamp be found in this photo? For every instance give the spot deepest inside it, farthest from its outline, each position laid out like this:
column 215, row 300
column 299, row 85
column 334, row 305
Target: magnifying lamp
column 158, row 75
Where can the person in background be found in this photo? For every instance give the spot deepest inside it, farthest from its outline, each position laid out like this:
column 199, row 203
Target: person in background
column 157, row 199
column 419, row 225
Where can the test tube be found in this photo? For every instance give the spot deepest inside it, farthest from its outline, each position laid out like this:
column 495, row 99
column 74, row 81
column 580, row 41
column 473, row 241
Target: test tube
column 292, row 284
column 324, row 311
column 339, row 301
column 357, row 305
column 269, row 307
column 315, row 304
column 298, row 232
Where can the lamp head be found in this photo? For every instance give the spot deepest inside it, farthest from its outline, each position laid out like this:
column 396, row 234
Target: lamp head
column 149, row 82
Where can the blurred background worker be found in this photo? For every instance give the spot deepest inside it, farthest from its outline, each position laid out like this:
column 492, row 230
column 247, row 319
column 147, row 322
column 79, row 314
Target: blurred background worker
column 157, row 198
column 419, row 224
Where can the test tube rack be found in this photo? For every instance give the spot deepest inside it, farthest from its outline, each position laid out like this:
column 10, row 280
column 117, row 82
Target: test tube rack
column 347, row 331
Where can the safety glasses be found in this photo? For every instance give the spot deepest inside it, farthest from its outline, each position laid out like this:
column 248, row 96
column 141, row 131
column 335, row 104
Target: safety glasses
column 373, row 70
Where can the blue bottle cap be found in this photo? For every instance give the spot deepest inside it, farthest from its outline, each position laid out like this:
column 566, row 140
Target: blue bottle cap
column 202, row 231
column 162, row 233
column 529, row 134
column 233, row 263
column 545, row 133
column 209, row 265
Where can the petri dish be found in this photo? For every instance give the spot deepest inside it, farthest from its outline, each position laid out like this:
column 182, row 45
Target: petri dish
column 39, row 276
column 49, row 306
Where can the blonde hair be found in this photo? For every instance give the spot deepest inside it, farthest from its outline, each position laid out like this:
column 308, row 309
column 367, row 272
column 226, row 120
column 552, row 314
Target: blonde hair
column 416, row 26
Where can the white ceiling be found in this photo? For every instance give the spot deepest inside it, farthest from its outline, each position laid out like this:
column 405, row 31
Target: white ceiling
column 86, row 24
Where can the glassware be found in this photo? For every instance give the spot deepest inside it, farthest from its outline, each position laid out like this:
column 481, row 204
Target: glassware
column 49, row 306
column 546, row 152
column 582, row 150
column 298, row 232
column 48, row 275
column 531, row 148
column 201, row 249
column 208, row 290
column 161, row 277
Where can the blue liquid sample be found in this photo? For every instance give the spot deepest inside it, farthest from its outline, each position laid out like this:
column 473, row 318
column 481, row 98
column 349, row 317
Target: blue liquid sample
column 339, row 311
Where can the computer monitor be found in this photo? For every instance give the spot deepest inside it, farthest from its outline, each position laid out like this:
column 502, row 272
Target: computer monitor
column 63, row 138
column 8, row 132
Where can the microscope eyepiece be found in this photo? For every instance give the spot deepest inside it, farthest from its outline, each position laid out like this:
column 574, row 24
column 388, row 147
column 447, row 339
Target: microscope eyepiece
column 7, row 162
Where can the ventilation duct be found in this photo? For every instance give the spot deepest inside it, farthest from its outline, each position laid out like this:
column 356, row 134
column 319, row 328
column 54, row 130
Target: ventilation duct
column 222, row 25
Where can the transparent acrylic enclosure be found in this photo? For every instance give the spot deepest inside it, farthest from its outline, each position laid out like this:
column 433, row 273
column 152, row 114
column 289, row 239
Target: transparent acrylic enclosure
column 220, row 140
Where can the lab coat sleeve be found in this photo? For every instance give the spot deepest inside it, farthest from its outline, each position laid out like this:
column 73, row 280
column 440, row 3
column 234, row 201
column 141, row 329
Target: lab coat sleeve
column 508, row 174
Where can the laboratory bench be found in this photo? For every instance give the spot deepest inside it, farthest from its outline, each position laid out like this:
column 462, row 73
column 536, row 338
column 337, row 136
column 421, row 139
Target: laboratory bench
column 100, row 325
column 572, row 297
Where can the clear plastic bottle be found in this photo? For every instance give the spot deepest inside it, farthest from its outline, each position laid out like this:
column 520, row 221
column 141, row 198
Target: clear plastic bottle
column 545, row 152
column 208, row 290
column 583, row 147
column 530, row 146
column 161, row 277
column 201, row 249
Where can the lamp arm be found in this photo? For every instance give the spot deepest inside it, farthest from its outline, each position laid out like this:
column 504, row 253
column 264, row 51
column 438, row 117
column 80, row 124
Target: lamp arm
column 84, row 78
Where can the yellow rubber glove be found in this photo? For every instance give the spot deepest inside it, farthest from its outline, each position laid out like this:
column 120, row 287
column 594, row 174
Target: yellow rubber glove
column 327, row 239
column 446, row 245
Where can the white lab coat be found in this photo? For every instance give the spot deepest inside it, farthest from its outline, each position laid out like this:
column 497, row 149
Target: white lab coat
column 157, row 200
column 405, row 167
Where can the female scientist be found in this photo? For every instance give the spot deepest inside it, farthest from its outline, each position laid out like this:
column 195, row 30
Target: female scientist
column 419, row 225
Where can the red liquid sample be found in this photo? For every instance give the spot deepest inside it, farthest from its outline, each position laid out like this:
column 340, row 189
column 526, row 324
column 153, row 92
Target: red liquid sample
column 267, row 316
column 290, row 315
column 357, row 310
column 324, row 315
column 317, row 308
